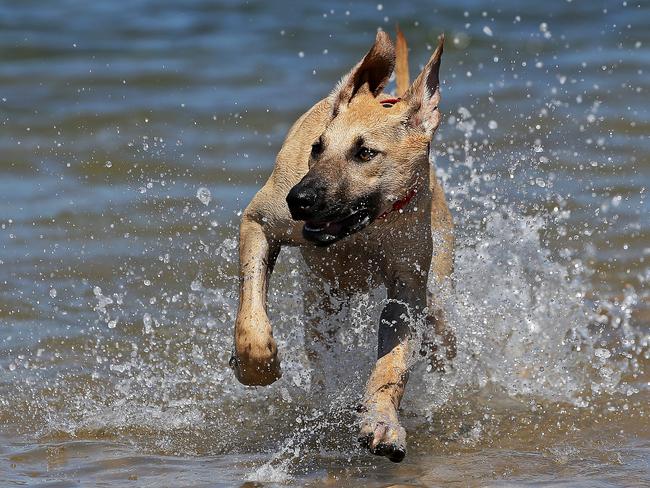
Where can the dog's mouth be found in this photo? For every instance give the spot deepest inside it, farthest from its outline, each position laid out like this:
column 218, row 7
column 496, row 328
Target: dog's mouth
column 327, row 231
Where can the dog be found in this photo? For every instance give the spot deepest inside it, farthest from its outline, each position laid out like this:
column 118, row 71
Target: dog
column 353, row 187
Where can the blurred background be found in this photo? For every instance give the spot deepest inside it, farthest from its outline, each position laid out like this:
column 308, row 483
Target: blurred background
column 134, row 134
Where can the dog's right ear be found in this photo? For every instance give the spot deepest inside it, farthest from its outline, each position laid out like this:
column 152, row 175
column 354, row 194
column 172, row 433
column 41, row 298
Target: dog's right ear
column 423, row 96
column 373, row 70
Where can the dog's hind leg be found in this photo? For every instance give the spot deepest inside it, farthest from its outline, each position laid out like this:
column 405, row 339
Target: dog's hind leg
column 441, row 269
column 323, row 311
column 429, row 346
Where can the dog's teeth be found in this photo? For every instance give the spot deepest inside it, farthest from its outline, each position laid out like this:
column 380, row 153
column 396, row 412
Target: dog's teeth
column 313, row 229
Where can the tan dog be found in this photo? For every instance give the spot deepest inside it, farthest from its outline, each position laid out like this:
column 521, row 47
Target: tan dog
column 354, row 188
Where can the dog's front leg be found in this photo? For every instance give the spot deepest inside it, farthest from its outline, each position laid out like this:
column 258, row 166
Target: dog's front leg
column 381, row 431
column 255, row 359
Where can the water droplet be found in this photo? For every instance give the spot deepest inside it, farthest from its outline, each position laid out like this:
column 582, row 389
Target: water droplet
column 602, row 353
column 204, row 195
column 148, row 323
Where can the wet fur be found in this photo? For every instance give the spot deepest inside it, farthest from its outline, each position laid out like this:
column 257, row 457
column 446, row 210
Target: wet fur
column 397, row 252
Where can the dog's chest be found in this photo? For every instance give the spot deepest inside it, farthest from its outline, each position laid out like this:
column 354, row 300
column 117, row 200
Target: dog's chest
column 350, row 264
column 367, row 259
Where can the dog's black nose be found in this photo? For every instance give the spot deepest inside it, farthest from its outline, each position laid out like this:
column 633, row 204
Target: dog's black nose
column 302, row 200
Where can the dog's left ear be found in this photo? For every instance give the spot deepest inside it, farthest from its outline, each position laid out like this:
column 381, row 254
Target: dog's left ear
column 371, row 73
column 424, row 95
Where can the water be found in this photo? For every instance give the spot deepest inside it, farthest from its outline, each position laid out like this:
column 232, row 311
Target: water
column 133, row 137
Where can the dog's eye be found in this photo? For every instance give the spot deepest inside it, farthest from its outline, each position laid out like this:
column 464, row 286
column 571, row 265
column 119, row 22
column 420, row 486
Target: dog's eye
column 316, row 149
column 364, row 154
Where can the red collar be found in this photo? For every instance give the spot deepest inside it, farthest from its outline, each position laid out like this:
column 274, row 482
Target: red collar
column 391, row 101
column 400, row 204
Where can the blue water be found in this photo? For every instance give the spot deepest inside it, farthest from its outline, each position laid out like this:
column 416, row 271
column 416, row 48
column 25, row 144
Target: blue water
column 115, row 114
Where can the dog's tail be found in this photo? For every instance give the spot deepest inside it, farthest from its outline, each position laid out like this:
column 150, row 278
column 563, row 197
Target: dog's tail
column 401, row 64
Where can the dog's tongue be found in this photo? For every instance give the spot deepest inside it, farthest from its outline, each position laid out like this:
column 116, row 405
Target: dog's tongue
column 333, row 227
column 327, row 227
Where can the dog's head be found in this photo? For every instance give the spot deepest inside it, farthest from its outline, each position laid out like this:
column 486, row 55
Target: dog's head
column 371, row 154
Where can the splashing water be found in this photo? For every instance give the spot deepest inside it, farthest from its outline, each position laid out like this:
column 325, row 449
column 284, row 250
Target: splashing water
column 119, row 274
column 155, row 370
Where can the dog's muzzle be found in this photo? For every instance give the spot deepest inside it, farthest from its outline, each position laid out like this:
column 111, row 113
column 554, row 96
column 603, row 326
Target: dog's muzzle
column 322, row 225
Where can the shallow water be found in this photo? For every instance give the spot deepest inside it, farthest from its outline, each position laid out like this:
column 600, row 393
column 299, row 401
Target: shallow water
column 132, row 139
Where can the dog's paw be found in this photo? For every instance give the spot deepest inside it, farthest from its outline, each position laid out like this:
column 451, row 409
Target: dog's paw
column 382, row 434
column 256, row 370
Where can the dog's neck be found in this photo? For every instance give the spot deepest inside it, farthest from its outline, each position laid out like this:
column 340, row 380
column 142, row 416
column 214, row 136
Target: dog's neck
column 418, row 187
column 400, row 204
